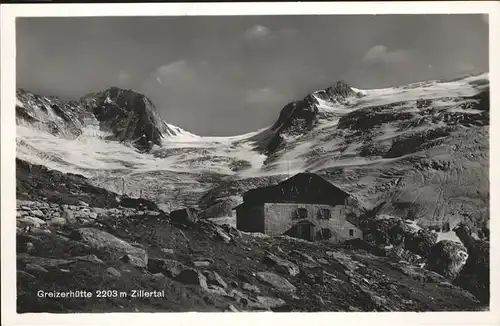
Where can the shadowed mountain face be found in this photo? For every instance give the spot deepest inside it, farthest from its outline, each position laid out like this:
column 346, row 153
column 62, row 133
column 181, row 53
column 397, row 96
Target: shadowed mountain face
column 128, row 115
column 418, row 152
column 122, row 115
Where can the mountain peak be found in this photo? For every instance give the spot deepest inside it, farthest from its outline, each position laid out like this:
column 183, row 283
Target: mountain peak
column 339, row 90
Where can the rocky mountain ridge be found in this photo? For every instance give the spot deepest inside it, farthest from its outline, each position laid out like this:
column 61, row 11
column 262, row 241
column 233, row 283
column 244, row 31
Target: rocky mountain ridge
column 115, row 114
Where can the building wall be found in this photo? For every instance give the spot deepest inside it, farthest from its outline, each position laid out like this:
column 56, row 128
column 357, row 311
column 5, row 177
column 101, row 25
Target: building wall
column 250, row 219
column 279, row 218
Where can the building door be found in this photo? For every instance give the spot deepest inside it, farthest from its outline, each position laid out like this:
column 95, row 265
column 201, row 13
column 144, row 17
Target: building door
column 305, row 230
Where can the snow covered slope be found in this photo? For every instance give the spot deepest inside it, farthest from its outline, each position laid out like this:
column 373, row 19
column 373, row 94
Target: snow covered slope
column 431, row 136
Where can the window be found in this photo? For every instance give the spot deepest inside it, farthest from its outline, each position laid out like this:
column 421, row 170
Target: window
column 324, row 214
column 351, row 232
column 300, row 213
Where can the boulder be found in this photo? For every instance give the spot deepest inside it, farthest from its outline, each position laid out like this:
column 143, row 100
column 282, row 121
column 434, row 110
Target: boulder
column 169, row 267
column 82, row 203
column 68, row 215
column 24, row 276
column 269, row 302
column 113, row 246
column 89, row 258
column 133, row 260
column 30, row 247
column 421, row 242
column 475, row 275
column 167, row 251
column 158, row 276
column 35, row 268
column 37, row 213
column 304, row 257
column 57, row 221
column 43, row 261
column 186, row 216
column 282, row 264
column 33, row 221
column 220, row 234
column 113, row 272
column 231, row 308
column 276, row 281
column 447, row 258
column 201, row 263
column 250, row 287
column 214, row 279
column 192, row 276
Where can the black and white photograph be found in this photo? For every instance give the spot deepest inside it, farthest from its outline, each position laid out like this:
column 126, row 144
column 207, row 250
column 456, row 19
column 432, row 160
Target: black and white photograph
column 250, row 163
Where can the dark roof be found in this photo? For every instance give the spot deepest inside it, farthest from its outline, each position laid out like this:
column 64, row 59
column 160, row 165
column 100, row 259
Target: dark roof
column 301, row 188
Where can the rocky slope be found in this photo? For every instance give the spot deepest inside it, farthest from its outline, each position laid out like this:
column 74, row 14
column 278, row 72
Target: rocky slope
column 88, row 241
column 115, row 114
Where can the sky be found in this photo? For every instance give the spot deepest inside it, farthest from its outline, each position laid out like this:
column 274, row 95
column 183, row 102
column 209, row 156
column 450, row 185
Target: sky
column 220, row 76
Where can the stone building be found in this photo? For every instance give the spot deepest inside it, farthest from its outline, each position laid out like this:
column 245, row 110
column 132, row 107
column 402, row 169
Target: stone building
column 304, row 206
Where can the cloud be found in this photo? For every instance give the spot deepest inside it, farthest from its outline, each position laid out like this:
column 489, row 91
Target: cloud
column 381, row 54
column 178, row 73
column 261, row 32
column 263, row 95
column 257, row 32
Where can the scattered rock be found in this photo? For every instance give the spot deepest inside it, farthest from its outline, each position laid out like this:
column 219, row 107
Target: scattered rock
column 192, row 276
column 201, row 263
column 250, row 287
column 276, row 281
column 167, row 251
column 24, row 275
column 322, row 261
column 35, row 268
column 158, row 276
column 43, row 261
column 30, row 247
column 112, row 245
column 89, row 258
column 214, row 279
column 113, row 271
column 238, row 296
column 319, row 299
column 33, row 221
column 68, row 215
column 82, row 203
column 37, row 213
column 133, row 260
column 232, row 308
column 269, row 302
column 186, row 216
column 304, row 256
column 283, row 264
column 214, row 289
column 222, row 235
column 169, row 267
column 57, row 221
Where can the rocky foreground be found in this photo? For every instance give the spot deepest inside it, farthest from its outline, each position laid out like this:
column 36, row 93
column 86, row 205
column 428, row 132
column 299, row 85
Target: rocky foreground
column 132, row 257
